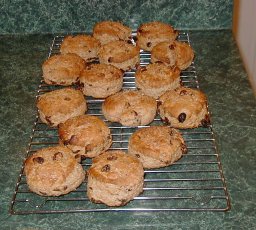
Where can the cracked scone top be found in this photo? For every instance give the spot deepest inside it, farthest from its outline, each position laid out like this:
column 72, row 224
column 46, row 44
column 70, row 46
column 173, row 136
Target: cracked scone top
column 108, row 31
column 53, row 171
column 130, row 108
column 184, row 108
column 115, row 178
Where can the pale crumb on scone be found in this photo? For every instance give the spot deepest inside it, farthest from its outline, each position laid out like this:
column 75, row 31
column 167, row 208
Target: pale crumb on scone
column 174, row 53
column 84, row 46
column 155, row 79
column 130, row 108
column 157, row 146
column 108, row 31
column 184, row 108
column 62, row 69
column 59, row 105
column 85, row 135
column 115, row 178
column 53, row 171
column 120, row 54
column 151, row 33
column 101, row 80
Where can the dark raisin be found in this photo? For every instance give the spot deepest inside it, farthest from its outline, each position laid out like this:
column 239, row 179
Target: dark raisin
column 105, row 168
column 171, row 47
column 140, row 31
column 182, row 117
column 149, row 44
column 57, row 156
column 135, row 113
column 137, row 155
column 159, row 103
column 183, row 92
column 110, row 59
column 89, row 51
column 90, row 188
column 112, row 158
column 129, row 189
column 184, row 148
column 166, row 120
column 38, row 160
column 129, row 42
column 143, row 68
column 206, row 121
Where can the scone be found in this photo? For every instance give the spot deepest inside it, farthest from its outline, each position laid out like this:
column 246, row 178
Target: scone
column 115, row 178
column 62, row 69
column 151, row 33
column 85, row 135
column 174, row 53
column 101, row 80
column 130, row 108
column 59, row 105
column 120, row 54
column 157, row 146
column 108, row 31
column 85, row 46
column 184, row 108
column 53, row 171
column 155, row 79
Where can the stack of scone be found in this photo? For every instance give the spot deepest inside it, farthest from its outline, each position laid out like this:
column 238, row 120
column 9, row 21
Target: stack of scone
column 96, row 64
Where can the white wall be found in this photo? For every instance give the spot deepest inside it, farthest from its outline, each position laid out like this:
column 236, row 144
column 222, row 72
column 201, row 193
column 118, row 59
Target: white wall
column 244, row 28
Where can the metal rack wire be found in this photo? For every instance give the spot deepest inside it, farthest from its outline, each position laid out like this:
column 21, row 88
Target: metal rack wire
column 194, row 183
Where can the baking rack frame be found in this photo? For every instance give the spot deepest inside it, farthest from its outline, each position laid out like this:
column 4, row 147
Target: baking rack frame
column 194, row 183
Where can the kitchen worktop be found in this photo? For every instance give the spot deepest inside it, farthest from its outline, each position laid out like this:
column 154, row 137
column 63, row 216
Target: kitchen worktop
column 232, row 104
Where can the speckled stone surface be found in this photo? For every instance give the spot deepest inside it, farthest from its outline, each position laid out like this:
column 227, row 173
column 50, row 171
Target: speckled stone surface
column 46, row 16
column 233, row 106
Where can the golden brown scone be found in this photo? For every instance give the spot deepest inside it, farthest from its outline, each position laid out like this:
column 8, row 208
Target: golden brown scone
column 130, row 108
column 85, row 46
column 174, row 53
column 151, row 33
column 115, row 178
column 101, row 80
column 157, row 146
column 53, row 171
column 155, row 79
column 109, row 31
column 120, row 54
column 184, row 108
column 59, row 105
column 62, row 69
column 85, row 135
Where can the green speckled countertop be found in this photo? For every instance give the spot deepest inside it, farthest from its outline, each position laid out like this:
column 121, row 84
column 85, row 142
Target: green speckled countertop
column 232, row 104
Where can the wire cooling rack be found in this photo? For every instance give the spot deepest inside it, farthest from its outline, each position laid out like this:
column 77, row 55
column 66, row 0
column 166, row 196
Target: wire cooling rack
column 194, row 183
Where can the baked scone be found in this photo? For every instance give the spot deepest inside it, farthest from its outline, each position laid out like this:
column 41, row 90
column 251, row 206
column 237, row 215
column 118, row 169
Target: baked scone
column 108, row 31
column 130, row 108
column 151, row 33
column 59, row 105
column 115, row 178
column 184, row 108
column 101, row 80
column 157, row 146
column 85, row 135
column 120, row 54
column 174, row 53
column 53, row 171
column 62, row 69
column 155, row 79
column 85, row 46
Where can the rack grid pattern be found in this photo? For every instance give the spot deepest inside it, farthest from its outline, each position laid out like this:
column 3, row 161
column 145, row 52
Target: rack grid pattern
column 194, row 183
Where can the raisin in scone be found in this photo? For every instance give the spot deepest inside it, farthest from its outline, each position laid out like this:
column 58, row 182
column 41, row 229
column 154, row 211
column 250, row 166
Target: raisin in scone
column 151, row 33
column 130, row 108
column 174, row 53
column 53, row 171
column 157, row 146
column 120, row 54
column 62, row 69
column 59, row 105
column 108, row 31
column 115, row 178
column 155, row 79
column 101, row 80
column 184, row 108
column 84, row 46
column 85, row 135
